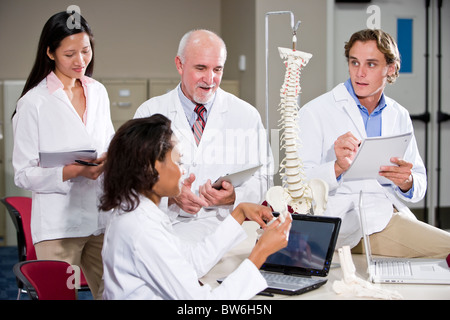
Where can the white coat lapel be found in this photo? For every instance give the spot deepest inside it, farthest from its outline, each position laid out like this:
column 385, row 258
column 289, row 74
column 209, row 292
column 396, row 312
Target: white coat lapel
column 389, row 119
column 180, row 125
column 61, row 95
column 216, row 119
column 215, row 128
column 92, row 101
column 345, row 101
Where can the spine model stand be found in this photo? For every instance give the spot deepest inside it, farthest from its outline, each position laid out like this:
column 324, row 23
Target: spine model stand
column 296, row 192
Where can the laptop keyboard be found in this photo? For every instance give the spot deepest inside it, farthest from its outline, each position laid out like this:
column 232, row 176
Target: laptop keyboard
column 274, row 279
column 392, row 268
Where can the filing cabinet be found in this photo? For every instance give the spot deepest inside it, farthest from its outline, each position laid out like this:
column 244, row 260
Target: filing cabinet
column 231, row 86
column 158, row 87
column 125, row 95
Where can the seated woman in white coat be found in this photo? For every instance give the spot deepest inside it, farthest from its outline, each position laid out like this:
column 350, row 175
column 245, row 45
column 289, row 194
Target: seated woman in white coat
column 143, row 257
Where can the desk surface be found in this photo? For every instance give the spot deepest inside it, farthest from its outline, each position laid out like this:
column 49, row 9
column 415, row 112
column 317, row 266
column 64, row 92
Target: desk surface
column 235, row 256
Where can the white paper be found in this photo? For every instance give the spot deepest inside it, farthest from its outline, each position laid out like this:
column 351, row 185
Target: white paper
column 60, row 159
column 375, row 152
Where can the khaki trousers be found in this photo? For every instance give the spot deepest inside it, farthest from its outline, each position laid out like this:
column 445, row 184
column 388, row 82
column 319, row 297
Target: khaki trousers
column 408, row 237
column 85, row 252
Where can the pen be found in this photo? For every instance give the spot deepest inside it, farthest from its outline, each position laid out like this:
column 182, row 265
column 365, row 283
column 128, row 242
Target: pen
column 85, row 163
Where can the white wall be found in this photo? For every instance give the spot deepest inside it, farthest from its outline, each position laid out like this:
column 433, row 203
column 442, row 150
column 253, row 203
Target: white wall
column 133, row 39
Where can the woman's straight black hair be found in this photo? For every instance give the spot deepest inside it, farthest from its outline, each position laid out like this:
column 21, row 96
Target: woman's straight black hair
column 58, row 27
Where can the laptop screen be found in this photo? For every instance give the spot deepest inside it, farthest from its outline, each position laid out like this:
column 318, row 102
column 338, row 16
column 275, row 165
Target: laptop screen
column 310, row 248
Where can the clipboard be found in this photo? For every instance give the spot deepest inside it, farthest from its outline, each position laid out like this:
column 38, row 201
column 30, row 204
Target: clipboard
column 60, row 159
column 375, row 152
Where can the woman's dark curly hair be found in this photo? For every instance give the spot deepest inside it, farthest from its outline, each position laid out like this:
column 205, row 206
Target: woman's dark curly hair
column 130, row 165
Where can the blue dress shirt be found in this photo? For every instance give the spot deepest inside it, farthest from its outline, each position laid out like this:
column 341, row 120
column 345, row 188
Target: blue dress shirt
column 372, row 122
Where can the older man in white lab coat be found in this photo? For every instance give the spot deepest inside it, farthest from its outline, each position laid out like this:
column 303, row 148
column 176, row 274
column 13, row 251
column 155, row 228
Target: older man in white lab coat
column 331, row 128
column 233, row 138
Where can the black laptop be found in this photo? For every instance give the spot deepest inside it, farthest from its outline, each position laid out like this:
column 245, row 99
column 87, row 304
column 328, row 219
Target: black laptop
column 303, row 265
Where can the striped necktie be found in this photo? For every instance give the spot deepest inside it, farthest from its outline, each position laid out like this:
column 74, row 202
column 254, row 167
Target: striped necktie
column 199, row 124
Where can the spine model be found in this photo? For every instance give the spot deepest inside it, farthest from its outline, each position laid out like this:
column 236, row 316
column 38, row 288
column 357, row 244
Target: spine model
column 296, row 192
column 291, row 167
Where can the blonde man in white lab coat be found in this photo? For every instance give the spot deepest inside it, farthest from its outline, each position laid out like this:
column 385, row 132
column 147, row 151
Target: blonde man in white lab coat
column 331, row 128
column 233, row 139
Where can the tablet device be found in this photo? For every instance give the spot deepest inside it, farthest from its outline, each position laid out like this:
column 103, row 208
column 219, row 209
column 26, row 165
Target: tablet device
column 236, row 178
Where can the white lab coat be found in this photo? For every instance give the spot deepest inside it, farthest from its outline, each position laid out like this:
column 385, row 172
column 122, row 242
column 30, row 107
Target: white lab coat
column 321, row 122
column 234, row 139
column 144, row 259
column 47, row 121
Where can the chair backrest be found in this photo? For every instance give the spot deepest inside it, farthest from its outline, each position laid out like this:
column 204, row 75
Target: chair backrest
column 46, row 279
column 19, row 209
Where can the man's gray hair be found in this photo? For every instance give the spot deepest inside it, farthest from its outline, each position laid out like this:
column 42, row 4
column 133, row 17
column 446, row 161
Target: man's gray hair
column 185, row 40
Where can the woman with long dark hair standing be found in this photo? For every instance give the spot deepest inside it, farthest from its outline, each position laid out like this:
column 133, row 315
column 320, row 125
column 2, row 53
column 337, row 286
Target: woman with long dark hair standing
column 63, row 109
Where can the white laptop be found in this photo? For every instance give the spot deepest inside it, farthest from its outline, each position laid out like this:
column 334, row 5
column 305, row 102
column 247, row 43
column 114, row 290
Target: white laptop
column 402, row 270
column 303, row 265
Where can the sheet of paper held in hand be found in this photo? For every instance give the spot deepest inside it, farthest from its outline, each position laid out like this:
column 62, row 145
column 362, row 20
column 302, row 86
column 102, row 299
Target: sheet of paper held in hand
column 59, row 159
column 375, row 152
